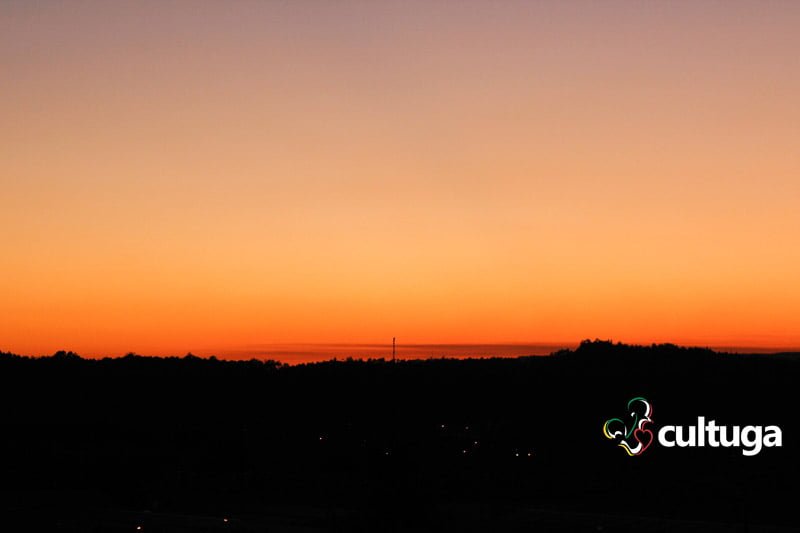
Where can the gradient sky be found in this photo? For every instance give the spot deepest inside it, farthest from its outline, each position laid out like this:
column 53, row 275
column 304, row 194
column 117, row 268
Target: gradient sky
column 212, row 176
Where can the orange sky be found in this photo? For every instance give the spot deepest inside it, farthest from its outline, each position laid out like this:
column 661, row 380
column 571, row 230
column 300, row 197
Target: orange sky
column 212, row 176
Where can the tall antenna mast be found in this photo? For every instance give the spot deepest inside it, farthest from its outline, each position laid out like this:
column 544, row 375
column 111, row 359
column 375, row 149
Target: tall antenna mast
column 393, row 352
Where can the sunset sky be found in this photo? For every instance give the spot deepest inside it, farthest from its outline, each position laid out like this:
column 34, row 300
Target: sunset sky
column 224, row 176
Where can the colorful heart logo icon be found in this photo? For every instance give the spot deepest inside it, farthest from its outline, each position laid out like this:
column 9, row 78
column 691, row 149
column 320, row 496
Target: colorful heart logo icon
column 630, row 432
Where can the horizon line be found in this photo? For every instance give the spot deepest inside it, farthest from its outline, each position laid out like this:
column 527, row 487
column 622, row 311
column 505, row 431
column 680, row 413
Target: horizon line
column 300, row 353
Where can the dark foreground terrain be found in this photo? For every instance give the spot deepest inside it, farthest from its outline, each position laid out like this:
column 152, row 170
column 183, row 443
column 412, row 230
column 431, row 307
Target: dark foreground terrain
column 189, row 444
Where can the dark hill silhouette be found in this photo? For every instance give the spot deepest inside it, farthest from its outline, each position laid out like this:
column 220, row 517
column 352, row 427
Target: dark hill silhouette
column 184, row 444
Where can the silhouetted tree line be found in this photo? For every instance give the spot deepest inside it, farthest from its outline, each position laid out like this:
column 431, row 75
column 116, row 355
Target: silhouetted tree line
column 503, row 444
